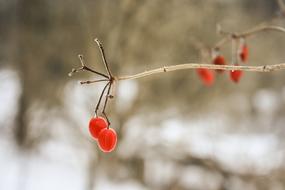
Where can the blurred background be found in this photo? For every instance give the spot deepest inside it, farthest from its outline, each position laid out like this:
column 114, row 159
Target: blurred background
column 174, row 133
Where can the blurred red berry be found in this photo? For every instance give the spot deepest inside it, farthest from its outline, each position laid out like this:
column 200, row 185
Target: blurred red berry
column 236, row 75
column 107, row 140
column 206, row 75
column 244, row 53
column 219, row 60
column 96, row 124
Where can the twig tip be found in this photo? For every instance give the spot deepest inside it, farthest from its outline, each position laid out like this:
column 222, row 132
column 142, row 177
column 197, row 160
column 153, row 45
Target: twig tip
column 71, row 72
column 98, row 42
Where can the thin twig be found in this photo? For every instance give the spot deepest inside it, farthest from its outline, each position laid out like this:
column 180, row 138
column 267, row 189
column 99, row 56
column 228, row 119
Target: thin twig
column 103, row 57
column 84, row 67
column 93, row 71
column 93, row 81
column 264, row 68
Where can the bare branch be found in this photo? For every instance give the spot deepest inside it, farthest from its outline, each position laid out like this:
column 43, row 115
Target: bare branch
column 257, row 29
column 110, row 79
column 264, row 68
column 261, row 29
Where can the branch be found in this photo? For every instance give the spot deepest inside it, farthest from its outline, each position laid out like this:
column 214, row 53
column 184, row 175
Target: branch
column 109, row 79
column 261, row 29
column 257, row 29
column 264, row 68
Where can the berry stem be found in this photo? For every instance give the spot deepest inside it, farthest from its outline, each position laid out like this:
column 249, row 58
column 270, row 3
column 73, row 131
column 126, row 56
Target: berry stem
column 105, row 104
column 100, row 98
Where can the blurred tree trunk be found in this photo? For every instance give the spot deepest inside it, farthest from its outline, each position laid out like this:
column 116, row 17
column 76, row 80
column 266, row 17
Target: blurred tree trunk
column 31, row 24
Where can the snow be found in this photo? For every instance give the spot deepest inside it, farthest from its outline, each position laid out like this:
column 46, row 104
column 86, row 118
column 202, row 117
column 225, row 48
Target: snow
column 9, row 92
column 61, row 165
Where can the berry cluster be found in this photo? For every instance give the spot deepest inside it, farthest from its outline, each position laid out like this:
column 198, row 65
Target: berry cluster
column 105, row 136
column 208, row 76
column 99, row 127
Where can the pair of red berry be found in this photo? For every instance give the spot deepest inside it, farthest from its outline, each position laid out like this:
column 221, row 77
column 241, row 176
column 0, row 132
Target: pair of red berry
column 207, row 76
column 243, row 55
column 235, row 75
column 99, row 130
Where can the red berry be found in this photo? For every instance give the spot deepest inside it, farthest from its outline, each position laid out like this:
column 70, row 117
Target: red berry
column 107, row 140
column 96, row 124
column 236, row 75
column 206, row 75
column 219, row 60
column 243, row 53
